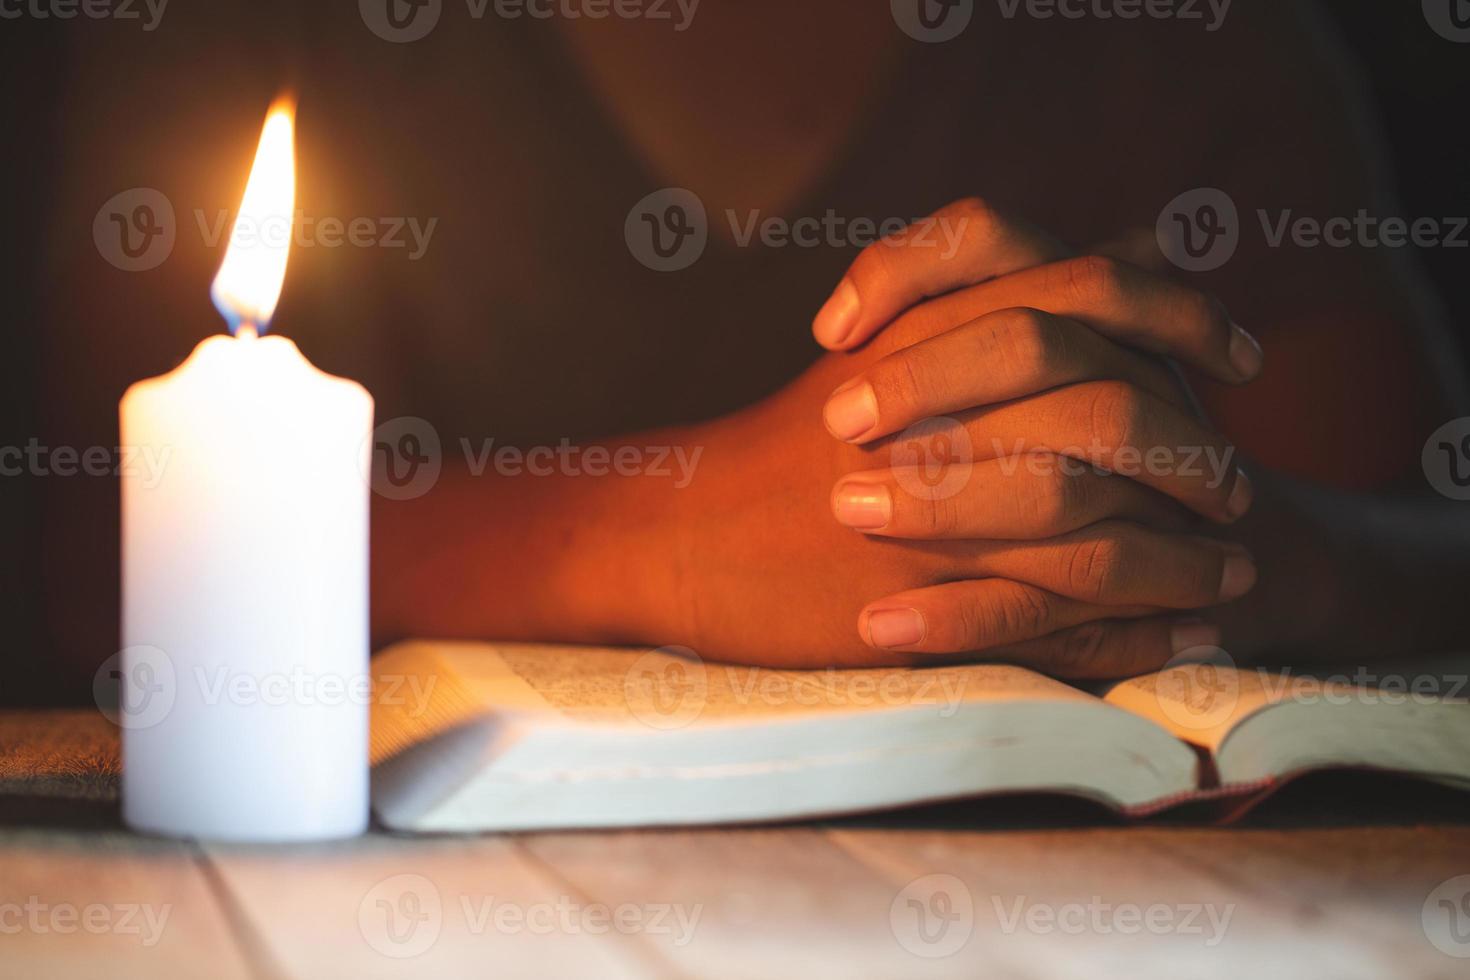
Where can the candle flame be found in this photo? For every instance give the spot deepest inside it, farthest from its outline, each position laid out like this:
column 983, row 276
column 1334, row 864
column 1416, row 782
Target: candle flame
column 248, row 283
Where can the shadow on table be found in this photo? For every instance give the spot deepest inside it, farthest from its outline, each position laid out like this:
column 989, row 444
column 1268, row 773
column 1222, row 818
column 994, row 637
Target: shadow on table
column 1321, row 799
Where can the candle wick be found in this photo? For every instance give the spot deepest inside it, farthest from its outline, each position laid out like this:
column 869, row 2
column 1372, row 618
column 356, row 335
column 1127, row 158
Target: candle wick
column 246, row 331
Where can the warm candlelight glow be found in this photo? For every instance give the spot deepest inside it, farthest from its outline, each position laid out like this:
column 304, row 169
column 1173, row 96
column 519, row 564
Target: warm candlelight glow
column 248, row 284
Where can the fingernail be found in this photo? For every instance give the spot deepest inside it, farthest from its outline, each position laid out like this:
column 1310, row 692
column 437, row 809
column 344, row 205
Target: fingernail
column 895, row 628
column 1240, row 497
column 1193, row 635
column 837, row 317
column 851, row 411
column 1239, row 576
column 1245, row 353
column 864, row 506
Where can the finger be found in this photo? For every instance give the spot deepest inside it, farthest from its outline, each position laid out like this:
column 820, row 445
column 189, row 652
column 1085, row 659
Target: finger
column 1135, row 308
column 958, row 617
column 1018, row 498
column 1116, row 563
column 962, row 244
column 1119, row 428
column 1112, row 648
column 1000, row 356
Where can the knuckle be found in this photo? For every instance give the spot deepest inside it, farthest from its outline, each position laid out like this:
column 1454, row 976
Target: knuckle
column 1094, row 567
column 1027, row 341
column 1024, row 613
column 1114, row 412
column 936, row 517
column 898, row 384
column 1095, row 280
column 1051, row 500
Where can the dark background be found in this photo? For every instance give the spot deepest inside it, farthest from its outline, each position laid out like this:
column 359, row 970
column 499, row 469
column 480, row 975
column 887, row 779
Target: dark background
column 1416, row 81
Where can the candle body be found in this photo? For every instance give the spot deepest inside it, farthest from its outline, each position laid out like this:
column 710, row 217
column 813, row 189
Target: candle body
column 244, row 673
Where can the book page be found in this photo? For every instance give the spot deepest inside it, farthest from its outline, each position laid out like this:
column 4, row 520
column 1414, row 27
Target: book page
column 443, row 684
column 1204, row 703
column 668, row 686
column 1199, row 703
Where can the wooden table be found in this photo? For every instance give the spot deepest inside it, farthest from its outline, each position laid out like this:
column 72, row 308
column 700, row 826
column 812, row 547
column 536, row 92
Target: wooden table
column 1336, row 879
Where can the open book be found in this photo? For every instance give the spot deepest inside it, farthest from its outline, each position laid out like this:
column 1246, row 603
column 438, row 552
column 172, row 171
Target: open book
column 470, row 737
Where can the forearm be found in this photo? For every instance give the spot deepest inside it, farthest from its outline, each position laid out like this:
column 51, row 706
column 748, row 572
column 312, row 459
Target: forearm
column 565, row 556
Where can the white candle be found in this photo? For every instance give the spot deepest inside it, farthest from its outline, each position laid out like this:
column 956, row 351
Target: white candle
column 245, row 616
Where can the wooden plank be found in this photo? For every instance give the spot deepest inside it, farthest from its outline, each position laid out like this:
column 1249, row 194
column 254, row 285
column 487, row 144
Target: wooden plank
column 778, row 901
column 384, row 906
column 1224, row 901
column 110, row 906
